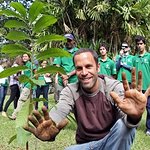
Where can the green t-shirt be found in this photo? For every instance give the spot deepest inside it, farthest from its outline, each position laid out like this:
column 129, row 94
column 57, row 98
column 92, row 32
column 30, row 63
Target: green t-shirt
column 28, row 73
column 116, row 57
column 67, row 64
column 41, row 78
column 107, row 67
column 142, row 63
column 126, row 60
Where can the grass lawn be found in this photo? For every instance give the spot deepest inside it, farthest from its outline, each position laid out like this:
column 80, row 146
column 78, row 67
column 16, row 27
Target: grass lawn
column 64, row 139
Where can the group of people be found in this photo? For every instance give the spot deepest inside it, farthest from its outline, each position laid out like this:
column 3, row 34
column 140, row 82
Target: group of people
column 14, row 85
column 125, row 62
column 107, row 97
column 19, row 93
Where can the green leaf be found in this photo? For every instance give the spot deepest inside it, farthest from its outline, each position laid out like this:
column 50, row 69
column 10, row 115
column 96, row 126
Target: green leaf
column 39, row 99
column 15, row 50
column 19, row 8
column 17, row 35
column 10, row 71
column 72, row 120
column 53, row 52
column 1, row 12
column 26, row 79
column 51, row 70
column 15, row 24
column 10, row 48
column 22, row 135
column 11, row 13
column 38, row 82
column 23, row 114
column 49, row 38
column 12, row 138
column 23, row 79
column 16, row 53
column 44, row 22
column 33, row 82
column 35, row 10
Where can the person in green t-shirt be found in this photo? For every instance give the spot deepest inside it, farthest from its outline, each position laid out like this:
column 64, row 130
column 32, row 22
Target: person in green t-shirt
column 124, row 63
column 141, row 62
column 26, row 87
column 107, row 66
column 43, row 89
column 67, row 64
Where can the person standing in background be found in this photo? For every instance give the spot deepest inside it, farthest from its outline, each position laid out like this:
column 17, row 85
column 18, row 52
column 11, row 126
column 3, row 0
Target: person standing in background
column 26, row 87
column 3, row 83
column 67, row 64
column 107, row 66
column 141, row 62
column 14, row 87
column 43, row 89
column 124, row 63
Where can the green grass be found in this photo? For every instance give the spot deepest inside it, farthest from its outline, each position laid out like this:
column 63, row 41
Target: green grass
column 64, row 139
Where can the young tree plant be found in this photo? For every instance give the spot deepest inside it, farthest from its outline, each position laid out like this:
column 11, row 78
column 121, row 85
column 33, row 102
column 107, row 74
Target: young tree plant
column 28, row 33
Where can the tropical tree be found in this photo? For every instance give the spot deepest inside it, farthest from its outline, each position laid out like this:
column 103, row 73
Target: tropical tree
column 28, row 32
column 116, row 21
column 107, row 21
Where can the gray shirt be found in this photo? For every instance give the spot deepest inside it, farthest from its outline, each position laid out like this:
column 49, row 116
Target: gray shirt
column 95, row 113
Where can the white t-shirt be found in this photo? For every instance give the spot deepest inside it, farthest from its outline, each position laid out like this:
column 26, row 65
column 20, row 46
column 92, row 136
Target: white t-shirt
column 2, row 80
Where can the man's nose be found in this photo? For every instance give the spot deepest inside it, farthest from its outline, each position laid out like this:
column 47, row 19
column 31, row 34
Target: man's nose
column 84, row 71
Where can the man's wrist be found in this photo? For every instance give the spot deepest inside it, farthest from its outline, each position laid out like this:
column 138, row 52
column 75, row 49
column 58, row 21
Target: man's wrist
column 133, row 120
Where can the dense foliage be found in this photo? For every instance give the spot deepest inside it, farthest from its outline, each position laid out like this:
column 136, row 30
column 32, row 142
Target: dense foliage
column 94, row 21
column 27, row 33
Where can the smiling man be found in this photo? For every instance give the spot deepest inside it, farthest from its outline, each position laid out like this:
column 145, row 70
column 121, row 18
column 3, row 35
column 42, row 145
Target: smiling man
column 107, row 112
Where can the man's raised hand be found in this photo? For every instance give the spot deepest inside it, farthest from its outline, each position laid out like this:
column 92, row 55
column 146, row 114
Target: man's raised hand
column 44, row 128
column 134, row 102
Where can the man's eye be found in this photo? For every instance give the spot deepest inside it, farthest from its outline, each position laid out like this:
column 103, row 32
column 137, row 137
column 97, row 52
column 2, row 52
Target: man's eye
column 88, row 67
column 78, row 68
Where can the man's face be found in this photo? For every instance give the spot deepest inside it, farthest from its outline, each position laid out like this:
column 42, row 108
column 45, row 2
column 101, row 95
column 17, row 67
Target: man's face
column 25, row 58
column 70, row 44
column 126, row 49
column 102, row 51
column 140, row 46
column 87, row 71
